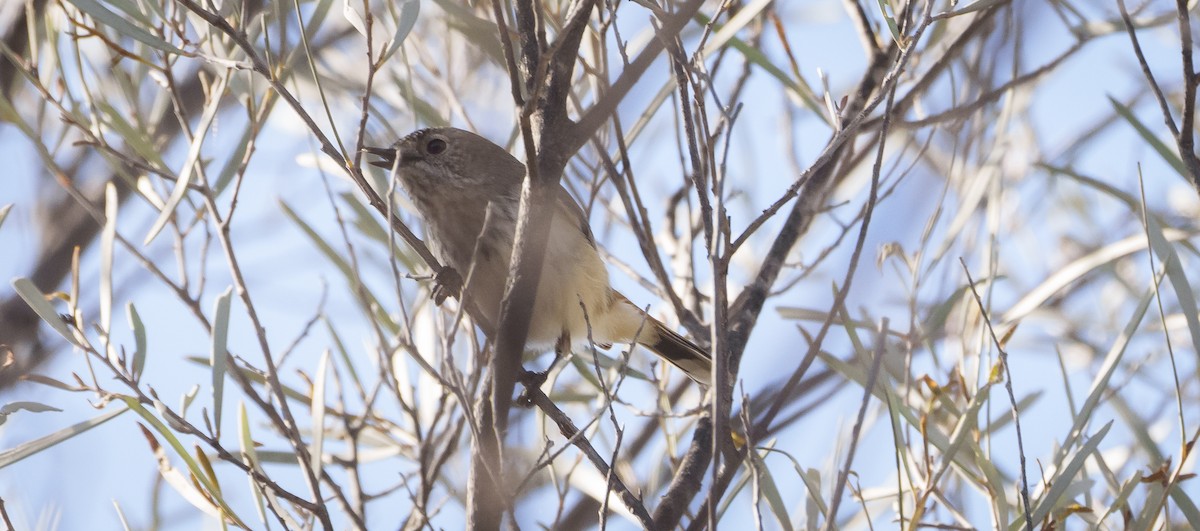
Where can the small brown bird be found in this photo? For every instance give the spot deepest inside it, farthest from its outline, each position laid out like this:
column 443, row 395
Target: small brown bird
column 457, row 179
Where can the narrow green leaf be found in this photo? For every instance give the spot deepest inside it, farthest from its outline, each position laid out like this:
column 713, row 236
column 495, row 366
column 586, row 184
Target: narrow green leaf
column 1184, row 295
column 51, row 382
column 139, row 339
column 1186, row 505
column 102, row 14
column 479, row 31
column 814, row 503
column 351, row 14
column 891, row 23
column 342, row 352
column 107, row 236
column 1078, row 269
column 335, row 257
column 935, row 322
column 189, row 490
column 316, row 21
column 586, row 365
column 4, row 213
column 409, row 10
column 137, row 138
column 1023, row 404
column 245, row 439
column 207, row 467
column 1167, row 153
column 21, row 451
column 770, row 491
column 193, row 467
column 422, row 108
column 935, row 436
column 218, row 353
column 1118, row 502
column 966, row 428
column 365, row 220
column 250, row 453
column 1063, row 479
column 254, row 377
column 233, row 162
column 996, row 484
column 193, row 158
column 813, row 486
column 340, row 262
column 185, row 401
column 1138, row 427
column 33, row 407
column 133, row 11
column 1160, row 239
column 37, row 301
column 318, row 411
column 1100, row 386
column 814, row 315
column 977, row 6
column 734, row 492
column 250, row 457
column 1153, row 493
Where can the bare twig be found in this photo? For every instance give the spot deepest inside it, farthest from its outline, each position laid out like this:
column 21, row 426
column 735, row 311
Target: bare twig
column 1011, row 397
column 835, row 500
column 568, row 430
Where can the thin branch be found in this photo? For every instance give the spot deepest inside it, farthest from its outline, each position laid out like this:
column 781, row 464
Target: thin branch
column 868, row 390
column 597, row 114
column 567, row 428
column 1155, row 88
column 1008, row 387
column 1187, row 133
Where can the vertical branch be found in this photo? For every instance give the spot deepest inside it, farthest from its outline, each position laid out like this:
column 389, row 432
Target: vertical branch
column 484, row 506
column 1163, row 106
column 821, row 177
column 687, row 481
column 544, row 163
column 1184, row 135
column 484, row 503
column 1187, row 134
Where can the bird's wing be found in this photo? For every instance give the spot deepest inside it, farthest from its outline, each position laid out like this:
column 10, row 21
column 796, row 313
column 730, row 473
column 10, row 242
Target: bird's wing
column 569, row 209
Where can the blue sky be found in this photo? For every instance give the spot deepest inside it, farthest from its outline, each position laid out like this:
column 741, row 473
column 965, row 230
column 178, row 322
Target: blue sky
column 287, row 276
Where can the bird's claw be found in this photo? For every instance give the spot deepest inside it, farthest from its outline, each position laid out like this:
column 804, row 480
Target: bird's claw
column 446, row 283
column 530, row 380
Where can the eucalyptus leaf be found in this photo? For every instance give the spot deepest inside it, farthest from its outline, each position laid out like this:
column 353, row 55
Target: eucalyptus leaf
column 33, row 407
column 139, row 338
column 318, row 411
column 21, row 451
column 103, row 15
column 409, row 10
column 108, row 236
column 37, row 301
column 193, row 158
column 1168, row 153
column 218, row 353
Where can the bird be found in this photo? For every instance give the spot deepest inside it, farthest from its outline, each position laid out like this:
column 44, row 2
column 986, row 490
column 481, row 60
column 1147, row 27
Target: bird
column 467, row 191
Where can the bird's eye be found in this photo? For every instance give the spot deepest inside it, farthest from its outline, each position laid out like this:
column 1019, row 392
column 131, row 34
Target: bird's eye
column 435, row 146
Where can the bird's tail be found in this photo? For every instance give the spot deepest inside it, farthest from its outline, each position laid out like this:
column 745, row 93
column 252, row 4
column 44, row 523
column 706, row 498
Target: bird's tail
column 691, row 359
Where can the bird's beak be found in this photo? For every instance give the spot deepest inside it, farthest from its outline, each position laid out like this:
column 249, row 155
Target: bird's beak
column 387, row 156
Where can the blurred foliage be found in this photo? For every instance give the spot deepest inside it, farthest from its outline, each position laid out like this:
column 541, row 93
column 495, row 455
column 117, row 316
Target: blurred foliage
column 204, row 161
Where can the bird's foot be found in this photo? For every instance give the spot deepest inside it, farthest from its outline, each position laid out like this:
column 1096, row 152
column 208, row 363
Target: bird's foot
column 446, row 283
